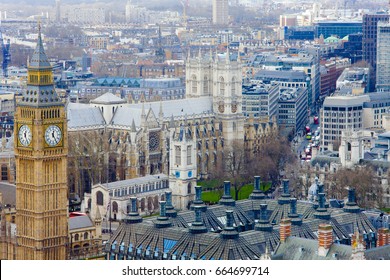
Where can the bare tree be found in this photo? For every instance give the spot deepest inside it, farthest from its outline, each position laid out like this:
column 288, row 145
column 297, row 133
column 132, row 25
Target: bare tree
column 273, row 157
column 235, row 167
column 363, row 179
column 85, row 161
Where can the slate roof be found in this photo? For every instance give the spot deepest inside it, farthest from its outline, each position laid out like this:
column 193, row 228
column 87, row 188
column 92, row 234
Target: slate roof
column 140, row 180
column 79, row 222
column 378, row 253
column 124, row 116
column 250, row 232
column 178, row 107
column 40, row 95
column 296, row 248
column 39, row 58
column 81, row 116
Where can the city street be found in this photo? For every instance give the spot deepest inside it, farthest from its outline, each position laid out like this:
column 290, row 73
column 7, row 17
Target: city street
column 303, row 142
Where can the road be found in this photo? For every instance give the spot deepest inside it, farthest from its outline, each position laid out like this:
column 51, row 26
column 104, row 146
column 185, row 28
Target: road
column 303, row 142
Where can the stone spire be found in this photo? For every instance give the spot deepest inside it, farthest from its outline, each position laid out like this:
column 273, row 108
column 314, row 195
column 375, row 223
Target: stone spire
column 39, row 59
column 133, row 128
column 40, row 90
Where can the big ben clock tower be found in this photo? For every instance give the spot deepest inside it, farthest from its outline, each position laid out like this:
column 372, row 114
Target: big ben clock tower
column 41, row 162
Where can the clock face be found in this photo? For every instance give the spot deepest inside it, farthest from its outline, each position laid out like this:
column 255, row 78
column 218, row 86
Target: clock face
column 53, row 135
column 25, row 135
column 154, row 141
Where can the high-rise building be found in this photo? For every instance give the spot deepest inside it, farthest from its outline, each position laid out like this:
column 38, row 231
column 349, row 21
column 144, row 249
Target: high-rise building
column 41, row 151
column 58, row 10
column 383, row 57
column 370, row 25
column 220, row 12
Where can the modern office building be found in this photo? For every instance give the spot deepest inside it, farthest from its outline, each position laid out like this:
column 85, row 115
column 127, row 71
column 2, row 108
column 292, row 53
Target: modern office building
column 220, row 12
column 306, row 60
column 292, row 110
column 383, row 57
column 352, row 113
column 297, row 33
column 340, row 113
column 353, row 80
column 370, row 25
column 337, row 28
column 260, row 100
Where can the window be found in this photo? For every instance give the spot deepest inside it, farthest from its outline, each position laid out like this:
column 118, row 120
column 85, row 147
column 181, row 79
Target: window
column 99, row 198
column 177, row 155
column 233, row 86
column 205, row 85
column 189, row 159
column 85, row 235
column 221, row 86
column 194, row 85
column 4, row 173
column 189, row 188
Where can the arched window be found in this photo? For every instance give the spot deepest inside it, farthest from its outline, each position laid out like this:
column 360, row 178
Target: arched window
column 205, row 85
column 221, row 86
column 76, row 237
column 189, row 188
column 99, row 198
column 85, row 235
column 233, row 86
column 194, row 85
column 115, row 207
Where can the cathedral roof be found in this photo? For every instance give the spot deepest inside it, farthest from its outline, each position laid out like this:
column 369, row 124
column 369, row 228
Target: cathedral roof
column 81, row 116
column 181, row 107
column 126, row 116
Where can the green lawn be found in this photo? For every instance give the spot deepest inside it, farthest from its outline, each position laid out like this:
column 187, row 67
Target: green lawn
column 386, row 210
column 215, row 195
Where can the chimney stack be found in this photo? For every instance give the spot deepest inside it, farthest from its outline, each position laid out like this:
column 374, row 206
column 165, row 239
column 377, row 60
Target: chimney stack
column 285, row 187
column 170, row 210
column 133, row 217
column 163, row 220
column 383, row 237
column 285, row 229
column 198, row 202
column 325, row 239
column 257, row 192
column 197, row 226
column 227, row 199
